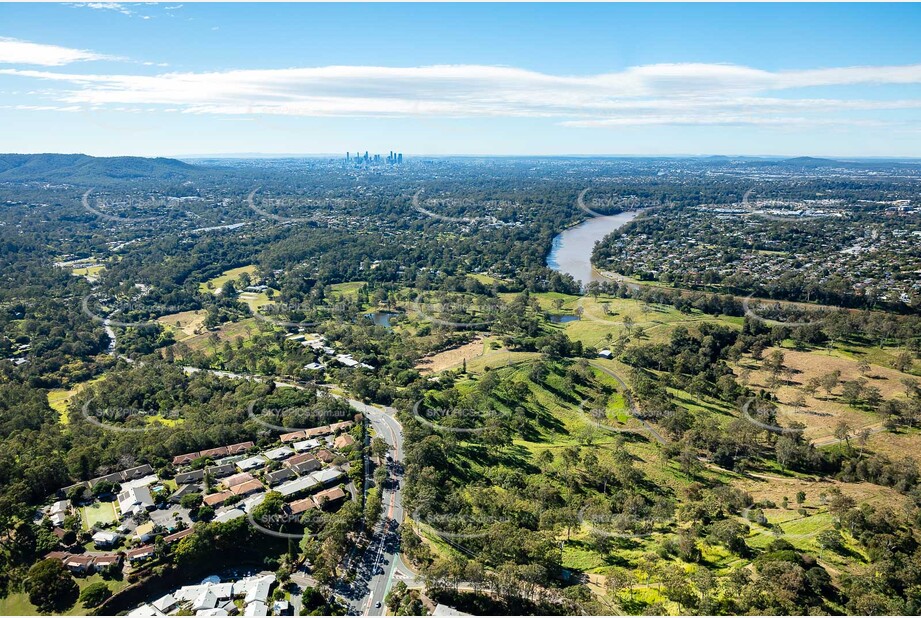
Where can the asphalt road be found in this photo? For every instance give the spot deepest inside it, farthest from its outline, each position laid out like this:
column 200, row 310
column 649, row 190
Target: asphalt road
column 374, row 569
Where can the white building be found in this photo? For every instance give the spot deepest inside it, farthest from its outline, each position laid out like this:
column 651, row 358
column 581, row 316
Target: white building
column 135, row 500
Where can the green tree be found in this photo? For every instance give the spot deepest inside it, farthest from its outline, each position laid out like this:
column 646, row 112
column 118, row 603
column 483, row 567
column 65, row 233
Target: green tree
column 95, row 594
column 51, row 587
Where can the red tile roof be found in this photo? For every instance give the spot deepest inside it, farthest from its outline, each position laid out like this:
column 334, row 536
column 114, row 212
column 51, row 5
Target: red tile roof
column 217, row 498
column 293, row 461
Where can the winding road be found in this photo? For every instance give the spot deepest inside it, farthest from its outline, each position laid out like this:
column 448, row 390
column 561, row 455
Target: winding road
column 652, row 431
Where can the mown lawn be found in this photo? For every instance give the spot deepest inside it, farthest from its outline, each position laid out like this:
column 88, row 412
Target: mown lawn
column 228, row 275
column 98, row 513
column 17, row 604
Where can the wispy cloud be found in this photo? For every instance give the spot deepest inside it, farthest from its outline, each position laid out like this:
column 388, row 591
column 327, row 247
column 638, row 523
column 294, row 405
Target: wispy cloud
column 118, row 7
column 14, row 51
column 651, row 94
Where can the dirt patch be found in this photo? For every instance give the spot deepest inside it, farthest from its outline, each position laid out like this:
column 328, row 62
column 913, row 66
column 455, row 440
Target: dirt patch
column 185, row 324
column 452, row 357
column 227, row 332
column 775, row 488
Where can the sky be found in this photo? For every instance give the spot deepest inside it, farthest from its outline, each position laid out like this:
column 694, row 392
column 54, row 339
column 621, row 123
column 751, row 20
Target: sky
column 183, row 79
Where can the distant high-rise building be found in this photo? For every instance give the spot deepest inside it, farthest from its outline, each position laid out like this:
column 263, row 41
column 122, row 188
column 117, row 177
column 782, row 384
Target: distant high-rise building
column 400, row 158
column 347, row 155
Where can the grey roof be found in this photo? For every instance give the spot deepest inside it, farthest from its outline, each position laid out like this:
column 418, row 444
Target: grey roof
column 306, row 467
column 296, row 486
column 228, row 515
column 221, row 471
column 125, row 475
column 278, row 476
column 251, row 463
column 183, row 478
column 327, row 476
column 185, row 490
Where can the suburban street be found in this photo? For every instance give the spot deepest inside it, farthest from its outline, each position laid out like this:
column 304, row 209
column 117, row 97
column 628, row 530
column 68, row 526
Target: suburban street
column 374, row 570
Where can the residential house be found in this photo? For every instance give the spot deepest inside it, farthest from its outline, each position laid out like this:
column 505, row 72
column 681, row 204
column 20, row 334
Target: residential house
column 297, row 486
column 251, row 463
column 214, row 453
column 307, row 466
column 306, row 445
column 135, row 500
column 181, row 460
column 177, row 536
column 279, row 476
column 228, row 515
column 237, row 479
column 291, row 437
column 328, row 476
column 183, row 491
column 101, row 562
column 139, row 554
column 329, row 498
column 165, row 604
column 344, row 441
column 247, row 488
column 218, row 498
column 302, row 506
column 136, row 472
column 105, row 539
column 79, row 563
column 220, row 471
column 293, row 461
column 256, row 608
column 193, row 476
column 277, row 454
column 240, row 447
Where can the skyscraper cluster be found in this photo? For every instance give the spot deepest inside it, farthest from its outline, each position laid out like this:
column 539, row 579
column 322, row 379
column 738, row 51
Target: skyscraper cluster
column 394, row 158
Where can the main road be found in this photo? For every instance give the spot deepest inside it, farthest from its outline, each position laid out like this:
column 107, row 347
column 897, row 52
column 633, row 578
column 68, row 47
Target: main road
column 374, row 568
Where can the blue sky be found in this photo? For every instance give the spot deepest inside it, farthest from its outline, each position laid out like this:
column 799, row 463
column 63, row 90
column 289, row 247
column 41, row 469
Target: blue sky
column 180, row 78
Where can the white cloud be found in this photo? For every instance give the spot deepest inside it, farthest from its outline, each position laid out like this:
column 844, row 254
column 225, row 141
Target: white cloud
column 14, row 51
column 106, row 6
column 651, row 94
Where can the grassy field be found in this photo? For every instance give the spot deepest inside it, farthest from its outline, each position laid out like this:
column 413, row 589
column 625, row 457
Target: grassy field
column 98, row 513
column 454, row 357
column 484, row 279
column 228, row 275
column 607, row 317
column 59, row 398
column 17, row 604
column 349, row 288
column 185, row 324
column 227, row 332
column 571, row 425
column 823, row 411
column 91, row 273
